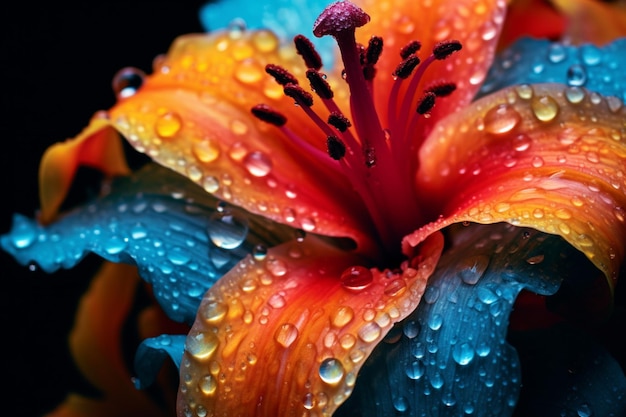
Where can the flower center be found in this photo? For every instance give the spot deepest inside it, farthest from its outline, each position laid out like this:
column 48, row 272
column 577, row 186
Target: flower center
column 376, row 159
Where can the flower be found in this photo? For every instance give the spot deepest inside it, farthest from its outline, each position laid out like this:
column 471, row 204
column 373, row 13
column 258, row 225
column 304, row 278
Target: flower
column 307, row 313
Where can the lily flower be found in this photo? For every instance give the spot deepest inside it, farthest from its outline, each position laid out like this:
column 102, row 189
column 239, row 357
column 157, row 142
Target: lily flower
column 348, row 240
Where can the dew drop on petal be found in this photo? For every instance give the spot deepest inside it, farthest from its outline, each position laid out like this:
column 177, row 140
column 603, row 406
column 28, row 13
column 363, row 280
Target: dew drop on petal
column 331, row 371
column 213, row 312
column 556, row 53
column 286, row 334
column 207, row 384
column 342, row 316
column 227, row 230
column 545, row 108
column 206, row 151
column 168, row 125
column 257, row 163
column 524, row 91
column 127, row 81
column 576, row 75
column 501, row 119
column 463, row 353
column 415, row 369
column 201, row 345
column 356, row 278
column 574, row 94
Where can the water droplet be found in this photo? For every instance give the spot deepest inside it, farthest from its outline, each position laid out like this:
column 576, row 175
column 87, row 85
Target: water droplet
column 435, row 321
column 342, row 316
column 259, row 252
column 448, row 399
column 401, row 404
column 168, row 125
column 356, row 278
column 483, row 349
column 114, row 246
column 486, row 295
column 431, row 294
column 463, row 353
column 436, row 380
column 178, row 256
column 331, row 371
column 127, row 81
column 472, row 268
column 227, row 230
column 545, row 108
column 206, row 151
column 248, row 72
column 524, row 91
column 576, row 75
column 208, row 385
column 574, row 94
column 276, row 267
column 590, row 54
column 369, row 332
column 213, row 312
column 584, row 411
column 23, row 236
column 201, row 345
column 395, row 287
column 489, row 31
column 537, row 162
column 614, row 103
column 265, row 40
column 501, row 119
column 277, row 301
column 257, row 163
column 411, row 329
column 521, row 142
column 415, row 369
column 556, row 53
column 286, row 334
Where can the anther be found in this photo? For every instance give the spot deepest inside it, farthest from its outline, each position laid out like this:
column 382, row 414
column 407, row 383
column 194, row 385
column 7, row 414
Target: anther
column 426, row 103
column 301, row 96
column 444, row 49
column 441, row 89
column 306, row 50
column 369, row 72
column 266, row 114
column 339, row 17
column 336, row 148
column 319, row 84
column 410, row 48
column 280, row 74
column 406, row 67
column 339, row 121
column 374, row 49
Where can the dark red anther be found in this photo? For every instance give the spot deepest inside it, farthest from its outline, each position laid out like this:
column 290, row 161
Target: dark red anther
column 339, row 121
column 280, row 74
column 336, row 148
column 374, row 49
column 301, row 96
column 268, row 115
column 441, row 89
column 444, row 49
column 306, row 50
column 369, row 72
column 319, row 85
column 426, row 103
column 410, row 48
column 339, row 17
column 406, row 67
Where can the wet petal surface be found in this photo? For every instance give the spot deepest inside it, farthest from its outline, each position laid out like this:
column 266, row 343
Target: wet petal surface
column 450, row 357
column 170, row 228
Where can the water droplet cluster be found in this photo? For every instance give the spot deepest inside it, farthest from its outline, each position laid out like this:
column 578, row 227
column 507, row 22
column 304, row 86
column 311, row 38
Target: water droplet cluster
column 302, row 315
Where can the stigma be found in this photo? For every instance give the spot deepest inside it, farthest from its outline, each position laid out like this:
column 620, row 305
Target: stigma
column 376, row 154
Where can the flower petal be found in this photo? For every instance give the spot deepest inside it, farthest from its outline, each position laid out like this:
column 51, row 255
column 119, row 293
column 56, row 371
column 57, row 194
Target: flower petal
column 533, row 18
column 287, row 335
column 157, row 220
column 97, row 146
column 475, row 23
column 531, row 61
column 593, row 21
column 194, row 116
column 548, row 156
column 451, row 353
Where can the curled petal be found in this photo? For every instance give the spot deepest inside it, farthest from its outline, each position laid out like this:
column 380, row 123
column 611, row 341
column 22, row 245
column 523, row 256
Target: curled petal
column 186, row 117
column 287, row 334
column 548, row 156
column 98, row 146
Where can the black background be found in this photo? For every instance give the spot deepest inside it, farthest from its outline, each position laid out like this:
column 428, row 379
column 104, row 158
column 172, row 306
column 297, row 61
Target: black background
column 56, row 69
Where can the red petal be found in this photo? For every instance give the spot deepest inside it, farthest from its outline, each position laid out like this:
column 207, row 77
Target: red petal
column 283, row 336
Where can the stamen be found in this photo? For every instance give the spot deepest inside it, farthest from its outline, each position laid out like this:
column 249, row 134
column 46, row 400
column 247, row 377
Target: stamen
column 426, row 103
column 406, row 67
column 374, row 49
column 444, row 49
column 301, row 96
column 336, row 148
column 339, row 17
column 369, row 72
column 266, row 114
column 339, row 121
column 410, row 48
column 441, row 89
column 319, row 84
column 280, row 74
column 306, row 49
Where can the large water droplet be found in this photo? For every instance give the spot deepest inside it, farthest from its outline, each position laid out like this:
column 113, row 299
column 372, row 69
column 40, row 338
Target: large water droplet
column 590, row 54
column 401, row 404
column 206, row 151
column 435, row 321
column 115, row 245
column 415, row 369
column 213, row 312
column 227, row 230
column 574, row 94
column 168, row 125
column 23, row 236
column 356, row 278
column 501, row 119
column 257, row 163
column 201, row 345
column 545, row 108
column 463, row 353
column 556, row 53
column 342, row 316
column 472, row 268
column 576, row 75
column 127, row 81
column 331, row 371
column 369, row 332
column 286, row 334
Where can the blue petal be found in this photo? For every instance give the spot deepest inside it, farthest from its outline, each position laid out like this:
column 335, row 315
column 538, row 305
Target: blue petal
column 158, row 220
column 286, row 18
column 450, row 357
column 529, row 61
column 150, row 356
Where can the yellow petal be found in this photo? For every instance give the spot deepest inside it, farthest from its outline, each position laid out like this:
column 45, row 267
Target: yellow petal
column 287, row 335
column 545, row 156
column 97, row 146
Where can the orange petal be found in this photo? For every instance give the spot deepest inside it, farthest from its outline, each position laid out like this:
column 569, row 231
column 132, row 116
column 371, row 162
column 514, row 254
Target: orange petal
column 593, row 21
column 534, row 18
column 545, row 156
column 96, row 341
column 283, row 336
column 475, row 23
column 98, row 146
column 193, row 115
